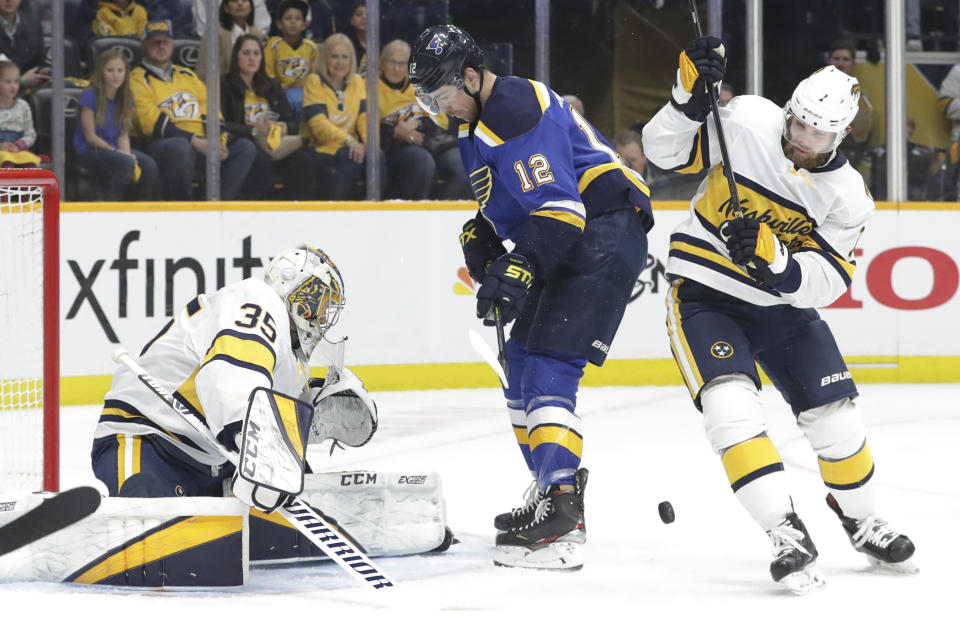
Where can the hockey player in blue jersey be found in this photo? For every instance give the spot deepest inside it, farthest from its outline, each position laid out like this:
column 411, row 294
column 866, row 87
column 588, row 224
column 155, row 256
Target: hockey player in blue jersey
column 546, row 180
column 745, row 291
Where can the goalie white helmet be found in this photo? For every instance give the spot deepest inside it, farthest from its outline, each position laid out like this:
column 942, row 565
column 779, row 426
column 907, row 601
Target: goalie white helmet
column 821, row 109
column 312, row 290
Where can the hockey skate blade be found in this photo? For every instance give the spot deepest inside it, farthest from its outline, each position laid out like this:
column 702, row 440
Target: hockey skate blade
column 804, row 581
column 556, row 556
column 905, row 568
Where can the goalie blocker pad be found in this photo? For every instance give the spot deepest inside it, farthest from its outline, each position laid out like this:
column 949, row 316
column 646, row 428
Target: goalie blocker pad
column 273, row 449
column 137, row 542
column 388, row 513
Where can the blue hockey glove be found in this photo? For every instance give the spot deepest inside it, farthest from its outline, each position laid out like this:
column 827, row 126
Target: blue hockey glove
column 505, row 284
column 702, row 64
column 480, row 245
column 754, row 246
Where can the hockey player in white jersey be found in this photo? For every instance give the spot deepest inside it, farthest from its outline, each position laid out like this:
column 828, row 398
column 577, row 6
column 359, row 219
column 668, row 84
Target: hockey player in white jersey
column 744, row 291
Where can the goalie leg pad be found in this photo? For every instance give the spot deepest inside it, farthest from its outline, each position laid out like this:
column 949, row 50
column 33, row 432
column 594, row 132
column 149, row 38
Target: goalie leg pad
column 388, row 513
column 142, row 542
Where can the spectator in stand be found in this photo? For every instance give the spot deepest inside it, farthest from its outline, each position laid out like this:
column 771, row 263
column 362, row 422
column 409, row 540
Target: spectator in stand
column 102, row 137
column 178, row 14
column 663, row 185
column 334, row 108
column 289, row 57
column 856, row 145
column 575, row 103
column 171, row 104
column 236, row 19
column 357, row 32
column 17, row 134
column 726, row 94
column 261, row 16
column 323, row 22
column 21, row 40
column 950, row 103
column 120, row 18
column 419, row 147
column 255, row 107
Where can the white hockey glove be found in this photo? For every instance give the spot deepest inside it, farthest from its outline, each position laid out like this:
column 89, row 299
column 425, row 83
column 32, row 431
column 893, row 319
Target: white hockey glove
column 342, row 409
column 272, row 450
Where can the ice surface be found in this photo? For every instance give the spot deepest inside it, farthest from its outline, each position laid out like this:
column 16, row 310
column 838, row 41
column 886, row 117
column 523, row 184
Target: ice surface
column 705, row 575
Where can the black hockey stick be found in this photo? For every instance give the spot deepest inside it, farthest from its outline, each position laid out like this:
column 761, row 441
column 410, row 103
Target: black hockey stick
column 721, row 140
column 308, row 520
column 53, row 514
column 501, row 343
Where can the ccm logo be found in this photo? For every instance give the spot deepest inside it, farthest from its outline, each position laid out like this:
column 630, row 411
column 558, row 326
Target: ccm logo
column 348, row 479
column 837, row 377
column 412, row 480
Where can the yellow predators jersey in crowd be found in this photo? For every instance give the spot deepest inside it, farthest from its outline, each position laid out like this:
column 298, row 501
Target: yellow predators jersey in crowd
column 255, row 107
column 397, row 105
column 211, row 355
column 818, row 213
column 112, row 20
column 288, row 64
column 334, row 116
column 166, row 108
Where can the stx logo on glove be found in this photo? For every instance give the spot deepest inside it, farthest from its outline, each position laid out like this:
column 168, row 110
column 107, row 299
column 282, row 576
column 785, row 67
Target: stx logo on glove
column 521, row 274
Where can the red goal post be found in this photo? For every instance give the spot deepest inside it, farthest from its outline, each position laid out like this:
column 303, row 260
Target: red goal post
column 30, row 330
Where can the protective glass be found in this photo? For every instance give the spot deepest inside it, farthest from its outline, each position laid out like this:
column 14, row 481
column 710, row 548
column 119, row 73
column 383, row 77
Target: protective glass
column 808, row 138
column 435, row 102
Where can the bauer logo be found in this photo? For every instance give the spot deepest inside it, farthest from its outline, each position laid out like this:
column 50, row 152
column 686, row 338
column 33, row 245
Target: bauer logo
column 836, row 377
column 599, row 345
column 412, row 480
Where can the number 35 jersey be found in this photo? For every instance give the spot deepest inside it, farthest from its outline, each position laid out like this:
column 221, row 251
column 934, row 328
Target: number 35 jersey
column 211, row 355
column 540, row 171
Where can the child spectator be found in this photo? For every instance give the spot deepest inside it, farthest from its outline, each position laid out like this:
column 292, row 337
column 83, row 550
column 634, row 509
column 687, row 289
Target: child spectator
column 102, row 137
column 357, row 32
column 120, row 18
column 17, row 134
column 255, row 107
column 236, row 18
column 289, row 57
column 334, row 108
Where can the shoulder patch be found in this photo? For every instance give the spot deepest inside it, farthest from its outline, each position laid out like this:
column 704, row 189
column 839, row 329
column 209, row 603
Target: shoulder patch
column 514, row 108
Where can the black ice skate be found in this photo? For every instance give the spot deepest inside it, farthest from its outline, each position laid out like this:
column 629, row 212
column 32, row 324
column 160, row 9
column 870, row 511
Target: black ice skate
column 554, row 537
column 521, row 515
column 794, row 557
column 872, row 536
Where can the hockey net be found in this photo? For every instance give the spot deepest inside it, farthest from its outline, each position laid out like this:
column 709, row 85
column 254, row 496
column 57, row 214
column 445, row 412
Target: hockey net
column 29, row 326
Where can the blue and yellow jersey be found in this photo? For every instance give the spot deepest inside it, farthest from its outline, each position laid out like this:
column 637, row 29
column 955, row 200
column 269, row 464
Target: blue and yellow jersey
column 540, row 171
column 165, row 108
column 113, row 20
column 210, row 355
column 819, row 214
column 290, row 65
column 332, row 116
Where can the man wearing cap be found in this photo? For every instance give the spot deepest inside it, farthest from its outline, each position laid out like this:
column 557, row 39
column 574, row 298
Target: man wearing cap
column 171, row 107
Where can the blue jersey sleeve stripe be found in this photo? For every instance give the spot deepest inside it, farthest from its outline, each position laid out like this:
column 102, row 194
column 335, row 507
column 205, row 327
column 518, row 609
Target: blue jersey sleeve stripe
column 543, row 95
column 484, row 133
column 594, row 172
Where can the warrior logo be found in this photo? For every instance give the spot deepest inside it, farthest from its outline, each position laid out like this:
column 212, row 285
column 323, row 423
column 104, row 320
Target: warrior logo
column 181, row 105
column 721, row 350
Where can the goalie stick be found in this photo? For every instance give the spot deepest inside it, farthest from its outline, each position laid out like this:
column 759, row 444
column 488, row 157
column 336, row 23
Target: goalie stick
column 308, row 520
column 53, row 514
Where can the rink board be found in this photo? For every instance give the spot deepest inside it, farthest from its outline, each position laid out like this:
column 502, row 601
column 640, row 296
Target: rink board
column 125, row 271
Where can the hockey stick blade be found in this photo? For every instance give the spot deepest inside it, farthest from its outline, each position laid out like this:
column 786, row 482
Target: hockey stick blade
column 484, row 351
column 53, row 514
column 308, row 520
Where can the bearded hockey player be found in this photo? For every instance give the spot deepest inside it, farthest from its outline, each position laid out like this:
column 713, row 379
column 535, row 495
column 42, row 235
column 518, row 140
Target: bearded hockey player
column 745, row 289
column 546, row 180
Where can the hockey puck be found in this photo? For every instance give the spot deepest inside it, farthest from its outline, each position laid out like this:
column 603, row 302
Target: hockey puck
column 666, row 512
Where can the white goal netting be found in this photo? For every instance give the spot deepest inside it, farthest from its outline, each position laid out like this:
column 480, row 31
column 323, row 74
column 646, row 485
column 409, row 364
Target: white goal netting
column 22, row 327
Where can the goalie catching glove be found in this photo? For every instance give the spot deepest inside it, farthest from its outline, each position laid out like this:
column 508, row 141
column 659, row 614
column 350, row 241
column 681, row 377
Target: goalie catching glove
column 273, row 445
column 753, row 245
column 480, row 245
column 703, row 61
column 342, row 409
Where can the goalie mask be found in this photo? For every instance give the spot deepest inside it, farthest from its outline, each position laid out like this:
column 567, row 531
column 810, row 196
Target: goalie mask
column 822, row 108
column 312, row 290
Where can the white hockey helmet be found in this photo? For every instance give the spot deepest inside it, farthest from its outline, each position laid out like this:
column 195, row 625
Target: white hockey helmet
column 826, row 101
column 312, row 290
